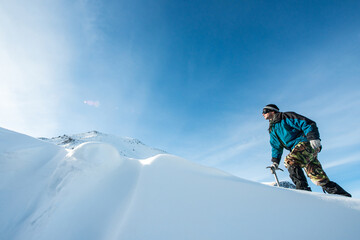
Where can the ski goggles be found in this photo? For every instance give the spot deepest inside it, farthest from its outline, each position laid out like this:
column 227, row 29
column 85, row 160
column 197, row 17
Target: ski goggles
column 265, row 111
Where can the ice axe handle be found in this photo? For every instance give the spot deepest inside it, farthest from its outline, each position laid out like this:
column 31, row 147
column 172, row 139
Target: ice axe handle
column 273, row 171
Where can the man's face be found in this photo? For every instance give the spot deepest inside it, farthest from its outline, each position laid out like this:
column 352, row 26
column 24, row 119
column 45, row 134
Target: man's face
column 268, row 115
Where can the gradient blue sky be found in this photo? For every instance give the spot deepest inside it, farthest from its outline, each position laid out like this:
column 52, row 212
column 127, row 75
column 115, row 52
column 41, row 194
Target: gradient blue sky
column 189, row 77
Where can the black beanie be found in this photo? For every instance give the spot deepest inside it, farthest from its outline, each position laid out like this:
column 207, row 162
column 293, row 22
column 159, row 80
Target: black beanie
column 272, row 107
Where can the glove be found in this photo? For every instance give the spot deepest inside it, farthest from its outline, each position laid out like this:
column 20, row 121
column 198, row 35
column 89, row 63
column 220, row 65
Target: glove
column 316, row 144
column 275, row 165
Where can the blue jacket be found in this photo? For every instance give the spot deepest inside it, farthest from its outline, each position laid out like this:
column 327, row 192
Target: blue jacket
column 288, row 129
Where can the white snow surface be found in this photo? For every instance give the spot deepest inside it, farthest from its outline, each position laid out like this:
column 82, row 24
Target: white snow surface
column 99, row 191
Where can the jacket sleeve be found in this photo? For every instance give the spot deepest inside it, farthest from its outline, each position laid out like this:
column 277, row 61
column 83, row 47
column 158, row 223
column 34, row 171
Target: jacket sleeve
column 304, row 124
column 276, row 149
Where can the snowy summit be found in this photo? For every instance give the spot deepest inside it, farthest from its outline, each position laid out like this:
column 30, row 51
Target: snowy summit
column 127, row 147
column 96, row 186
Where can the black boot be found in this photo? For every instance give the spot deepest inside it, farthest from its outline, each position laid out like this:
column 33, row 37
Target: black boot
column 298, row 177
column 334, row 188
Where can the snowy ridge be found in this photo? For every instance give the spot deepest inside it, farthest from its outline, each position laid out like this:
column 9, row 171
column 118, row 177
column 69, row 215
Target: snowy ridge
column 128, row 147
column 94, row 192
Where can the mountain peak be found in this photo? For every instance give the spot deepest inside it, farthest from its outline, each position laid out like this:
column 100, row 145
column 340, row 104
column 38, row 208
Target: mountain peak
column 128, row 147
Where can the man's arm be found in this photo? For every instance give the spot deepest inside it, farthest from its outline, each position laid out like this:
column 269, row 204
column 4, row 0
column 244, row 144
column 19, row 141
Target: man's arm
column 307, row 126
column 276, row 149
column 304, row 124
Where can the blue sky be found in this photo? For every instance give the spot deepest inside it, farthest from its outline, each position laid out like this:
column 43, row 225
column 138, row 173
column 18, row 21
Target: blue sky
column 189, row 77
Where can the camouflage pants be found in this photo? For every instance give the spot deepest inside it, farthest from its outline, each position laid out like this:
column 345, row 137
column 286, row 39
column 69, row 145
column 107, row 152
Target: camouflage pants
column 305, row 156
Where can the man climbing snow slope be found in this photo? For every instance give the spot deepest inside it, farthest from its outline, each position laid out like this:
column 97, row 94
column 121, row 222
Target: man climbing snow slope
column 300, row 136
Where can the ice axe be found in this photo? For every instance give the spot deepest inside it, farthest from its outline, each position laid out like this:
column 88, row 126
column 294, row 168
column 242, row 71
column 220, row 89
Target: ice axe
column 273, row 171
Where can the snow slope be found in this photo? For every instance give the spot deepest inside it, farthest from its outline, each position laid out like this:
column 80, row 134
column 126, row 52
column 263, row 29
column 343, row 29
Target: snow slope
column 94, row 191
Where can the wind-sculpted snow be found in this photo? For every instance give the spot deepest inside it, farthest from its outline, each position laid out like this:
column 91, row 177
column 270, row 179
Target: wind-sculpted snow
column 127, row 147
column 94, row 192
column 25, row 164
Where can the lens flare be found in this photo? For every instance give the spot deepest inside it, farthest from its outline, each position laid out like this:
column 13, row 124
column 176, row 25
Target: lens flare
column 92, row 103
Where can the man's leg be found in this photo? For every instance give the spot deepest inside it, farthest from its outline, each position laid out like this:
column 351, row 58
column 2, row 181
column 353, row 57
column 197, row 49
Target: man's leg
column 298, row 177
column 316, row 173
column 318, row 176
column 294, row 162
